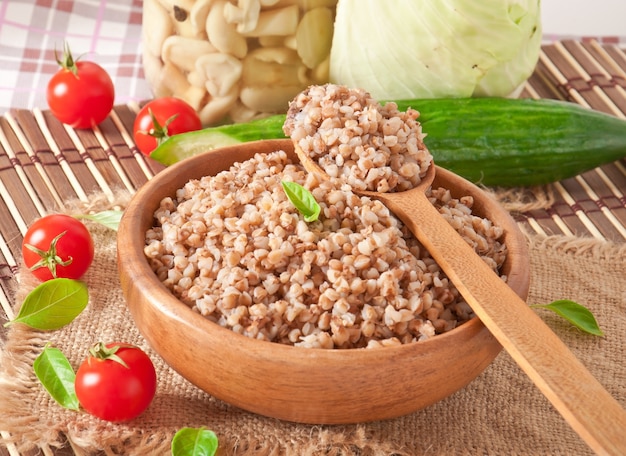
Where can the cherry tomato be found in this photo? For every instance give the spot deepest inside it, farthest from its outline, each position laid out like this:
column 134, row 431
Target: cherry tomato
column 81, row 93
column 57, row 245
column 116, row 382
column 161, row 118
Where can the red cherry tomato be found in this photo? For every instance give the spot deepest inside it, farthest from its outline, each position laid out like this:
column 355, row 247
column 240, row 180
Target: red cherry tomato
column 116, row 382
column 81, row 93
column 161, row 118
column 57, row 245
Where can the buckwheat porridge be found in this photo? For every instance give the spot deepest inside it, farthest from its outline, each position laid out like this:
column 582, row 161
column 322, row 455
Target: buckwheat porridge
column 357, row 140
column 236, row 250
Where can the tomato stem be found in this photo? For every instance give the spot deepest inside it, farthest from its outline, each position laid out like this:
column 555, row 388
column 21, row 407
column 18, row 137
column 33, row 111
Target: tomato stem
column 49, row 259
column 158, row 131
column 68, row 63
column 100, row 351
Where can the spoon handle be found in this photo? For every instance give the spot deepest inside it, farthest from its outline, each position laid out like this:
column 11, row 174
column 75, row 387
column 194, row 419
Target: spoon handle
column 582, row 401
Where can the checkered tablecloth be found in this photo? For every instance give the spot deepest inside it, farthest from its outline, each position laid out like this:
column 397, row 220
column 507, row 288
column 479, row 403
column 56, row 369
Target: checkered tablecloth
column 105, row 31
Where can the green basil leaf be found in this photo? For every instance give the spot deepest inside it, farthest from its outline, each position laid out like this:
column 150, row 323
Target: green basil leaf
column 194, row 442
column 575, row 313
column 57, row 376
column 53, row 304
column 302, row 199
column 110, row 219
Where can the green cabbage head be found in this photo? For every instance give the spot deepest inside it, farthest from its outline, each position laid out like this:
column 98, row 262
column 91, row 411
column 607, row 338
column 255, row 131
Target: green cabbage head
column 399, row 49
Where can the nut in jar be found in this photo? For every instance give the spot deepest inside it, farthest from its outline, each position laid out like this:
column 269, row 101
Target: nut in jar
column 237, row 60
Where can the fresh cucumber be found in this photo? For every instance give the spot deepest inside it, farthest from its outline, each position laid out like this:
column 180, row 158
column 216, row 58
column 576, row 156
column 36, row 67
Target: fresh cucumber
column 492, row 141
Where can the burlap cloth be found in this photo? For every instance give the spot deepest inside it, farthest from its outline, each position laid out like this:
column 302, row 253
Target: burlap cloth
column 500, row 413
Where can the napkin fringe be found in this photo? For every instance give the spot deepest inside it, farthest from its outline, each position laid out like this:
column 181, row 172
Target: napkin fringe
column 598, row 249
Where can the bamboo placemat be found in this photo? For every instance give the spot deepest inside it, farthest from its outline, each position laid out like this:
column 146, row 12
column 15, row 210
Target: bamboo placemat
column 44, row 163
column 593, row 75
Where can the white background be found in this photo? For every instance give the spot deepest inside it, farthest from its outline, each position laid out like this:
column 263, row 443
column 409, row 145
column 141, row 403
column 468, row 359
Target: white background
column 584, row 17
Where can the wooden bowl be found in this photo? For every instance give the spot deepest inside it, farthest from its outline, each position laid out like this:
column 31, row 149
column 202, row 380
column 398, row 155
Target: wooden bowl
column 292, row 383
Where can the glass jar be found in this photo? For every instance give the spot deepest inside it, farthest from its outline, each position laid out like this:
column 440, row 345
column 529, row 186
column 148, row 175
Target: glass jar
column 237, row 60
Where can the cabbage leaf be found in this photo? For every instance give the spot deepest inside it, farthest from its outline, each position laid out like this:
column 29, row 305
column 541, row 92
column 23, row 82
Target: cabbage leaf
column 403, row 49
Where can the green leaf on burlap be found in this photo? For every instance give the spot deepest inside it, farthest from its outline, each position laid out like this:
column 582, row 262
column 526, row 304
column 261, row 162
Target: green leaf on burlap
column 575, row 313
column 57, row 376
column 194, row 442
column 53, row 304
column 110, row 219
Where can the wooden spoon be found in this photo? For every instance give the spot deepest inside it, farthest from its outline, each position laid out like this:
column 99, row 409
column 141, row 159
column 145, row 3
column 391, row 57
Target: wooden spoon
column 584, row 403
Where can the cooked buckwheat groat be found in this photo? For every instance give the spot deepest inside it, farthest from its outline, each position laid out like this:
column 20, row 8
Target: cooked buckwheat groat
column 356, row 139
column 234, row 248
